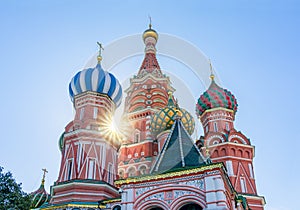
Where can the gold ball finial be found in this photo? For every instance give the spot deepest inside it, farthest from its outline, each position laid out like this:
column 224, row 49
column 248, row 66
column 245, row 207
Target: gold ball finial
column 150, row 32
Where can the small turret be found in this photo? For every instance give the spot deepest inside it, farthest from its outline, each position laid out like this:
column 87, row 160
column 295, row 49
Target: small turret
column 40, row 196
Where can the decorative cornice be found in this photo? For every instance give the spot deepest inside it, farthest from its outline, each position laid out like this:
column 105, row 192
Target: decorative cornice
column 142, row 80
column 168, row 175
column 217, row 109
column 64, row 206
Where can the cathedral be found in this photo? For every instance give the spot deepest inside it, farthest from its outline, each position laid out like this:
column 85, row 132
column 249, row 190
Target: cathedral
column 153, row 163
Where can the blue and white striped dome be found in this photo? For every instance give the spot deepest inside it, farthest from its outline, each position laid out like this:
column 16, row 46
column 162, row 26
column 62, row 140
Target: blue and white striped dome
column 97, row 80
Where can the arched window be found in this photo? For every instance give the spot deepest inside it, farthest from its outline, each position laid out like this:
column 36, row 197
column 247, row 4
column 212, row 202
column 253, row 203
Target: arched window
column 91, row 169
column 232, row 151
column 121, row 174
column 243, row 185
column 95, row 114
column 68, row 174
column 216, row 153
column 143, row 170
column 137, row 136
column 240, row 153
column 215, row 127
column 223, row 152
column 227, row 126
column 131, row 172
column 81, row 113
column 110, row 174
column 247, row 154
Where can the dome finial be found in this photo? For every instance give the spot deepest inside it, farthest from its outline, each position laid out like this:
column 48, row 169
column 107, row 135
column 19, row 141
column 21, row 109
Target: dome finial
column 44, row 175
column 170, row 99
column 99, row 57
column 212, row 76
column 150, row 22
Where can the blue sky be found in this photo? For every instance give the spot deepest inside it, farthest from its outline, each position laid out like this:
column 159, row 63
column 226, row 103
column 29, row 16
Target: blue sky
column 254, row 46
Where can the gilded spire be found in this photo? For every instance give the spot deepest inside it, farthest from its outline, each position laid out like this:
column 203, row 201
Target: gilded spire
column 212, row 76
column 99, row 57
column 44, row 175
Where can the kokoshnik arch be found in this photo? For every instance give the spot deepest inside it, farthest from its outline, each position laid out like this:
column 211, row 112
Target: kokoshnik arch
column 153, row 163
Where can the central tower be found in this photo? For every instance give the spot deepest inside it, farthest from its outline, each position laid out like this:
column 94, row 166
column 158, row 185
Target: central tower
column 147, row 93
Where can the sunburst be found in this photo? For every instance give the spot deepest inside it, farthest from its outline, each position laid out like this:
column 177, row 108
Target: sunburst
column 109, row 129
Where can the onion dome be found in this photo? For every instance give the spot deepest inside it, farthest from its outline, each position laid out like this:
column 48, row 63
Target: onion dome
column 165, row 118
column 96, row 80
column 40, row 196
column 150, row 33
column 216, row 97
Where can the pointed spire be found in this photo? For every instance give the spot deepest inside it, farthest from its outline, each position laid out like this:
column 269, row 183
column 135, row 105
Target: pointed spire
column 179, row 151
column 99, row 57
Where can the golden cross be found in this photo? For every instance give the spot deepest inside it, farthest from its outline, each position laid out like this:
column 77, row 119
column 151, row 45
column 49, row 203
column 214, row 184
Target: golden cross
column 100, row 48
column 45, row 171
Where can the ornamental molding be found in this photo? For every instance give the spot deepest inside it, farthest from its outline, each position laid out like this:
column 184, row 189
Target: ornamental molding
column 135, row 80
column 197, row 183
column 238, row 137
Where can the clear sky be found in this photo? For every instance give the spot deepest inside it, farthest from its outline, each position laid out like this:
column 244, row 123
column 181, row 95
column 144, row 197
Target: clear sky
column 254, row 46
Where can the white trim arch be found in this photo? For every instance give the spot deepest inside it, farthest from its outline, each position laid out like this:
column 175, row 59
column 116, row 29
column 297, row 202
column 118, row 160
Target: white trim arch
column 131, row 167
column 141, row 166
column 153, row 203
column 200, row 194
column 190, row 199
column 116, row 205
column 214, row 137
column 232, row 137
